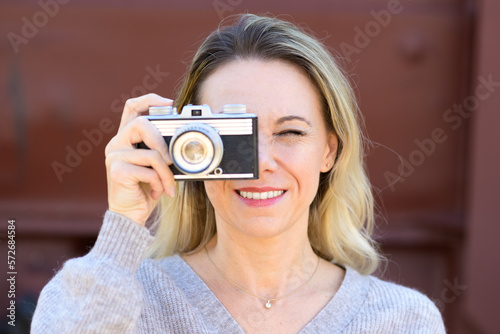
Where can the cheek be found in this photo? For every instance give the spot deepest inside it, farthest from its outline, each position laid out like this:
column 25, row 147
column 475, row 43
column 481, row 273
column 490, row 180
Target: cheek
column 305, row 158
column 214, row 190
column 304, row 164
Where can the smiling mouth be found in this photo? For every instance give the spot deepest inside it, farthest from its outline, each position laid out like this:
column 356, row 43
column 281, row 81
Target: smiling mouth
column 260, row 195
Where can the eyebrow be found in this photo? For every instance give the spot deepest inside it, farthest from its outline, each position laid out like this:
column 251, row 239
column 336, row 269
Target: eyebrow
column 293, row 118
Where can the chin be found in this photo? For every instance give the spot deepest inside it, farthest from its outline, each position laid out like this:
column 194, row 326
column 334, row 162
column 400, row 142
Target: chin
column 262, row 227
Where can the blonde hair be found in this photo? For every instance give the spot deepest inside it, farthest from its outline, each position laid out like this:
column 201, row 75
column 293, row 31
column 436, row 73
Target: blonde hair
column 341, row 215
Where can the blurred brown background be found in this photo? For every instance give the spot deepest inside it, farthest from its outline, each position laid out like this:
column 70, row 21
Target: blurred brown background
column 426, row 73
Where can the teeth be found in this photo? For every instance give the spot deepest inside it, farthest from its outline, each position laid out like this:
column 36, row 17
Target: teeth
column 263, row 195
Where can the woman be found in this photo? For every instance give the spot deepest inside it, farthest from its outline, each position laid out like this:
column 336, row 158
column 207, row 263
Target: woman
column 289, row 252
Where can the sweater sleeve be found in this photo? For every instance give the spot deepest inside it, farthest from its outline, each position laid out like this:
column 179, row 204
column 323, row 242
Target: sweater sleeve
column 99, row 292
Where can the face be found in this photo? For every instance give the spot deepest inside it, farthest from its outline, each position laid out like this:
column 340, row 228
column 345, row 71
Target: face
column 294, row 147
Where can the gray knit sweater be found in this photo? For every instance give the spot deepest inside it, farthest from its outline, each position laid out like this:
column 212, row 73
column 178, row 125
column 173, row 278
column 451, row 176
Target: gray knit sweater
column 114, row 290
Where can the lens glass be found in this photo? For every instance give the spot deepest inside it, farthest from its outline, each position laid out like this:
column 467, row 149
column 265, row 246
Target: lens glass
column 194, row 151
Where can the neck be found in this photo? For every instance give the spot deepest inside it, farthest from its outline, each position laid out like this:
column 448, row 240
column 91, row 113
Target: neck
column 268, row 267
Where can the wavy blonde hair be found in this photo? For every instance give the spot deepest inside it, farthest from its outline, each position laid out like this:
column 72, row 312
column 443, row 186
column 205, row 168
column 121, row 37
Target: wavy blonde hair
column 341, row 216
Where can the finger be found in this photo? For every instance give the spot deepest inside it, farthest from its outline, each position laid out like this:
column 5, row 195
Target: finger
column 139, row 130
column 147, row 158
column 131, row 176
column 135, row 106
column 155, row 195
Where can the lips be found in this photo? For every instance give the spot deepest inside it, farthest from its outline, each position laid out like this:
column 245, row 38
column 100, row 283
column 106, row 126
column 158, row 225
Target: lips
column 260, row 195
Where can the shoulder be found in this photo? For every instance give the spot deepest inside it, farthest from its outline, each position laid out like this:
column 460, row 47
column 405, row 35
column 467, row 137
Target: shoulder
column 390, row 295
column 169, row 275
column 152, row 271
column 394, row 308
column 165, row 280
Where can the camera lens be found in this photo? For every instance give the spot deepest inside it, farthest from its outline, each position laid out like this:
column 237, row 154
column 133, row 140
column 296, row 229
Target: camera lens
column 196, row 148
column 194, row 151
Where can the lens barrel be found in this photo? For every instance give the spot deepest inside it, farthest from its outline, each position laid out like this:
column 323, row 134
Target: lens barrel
column 196, row 148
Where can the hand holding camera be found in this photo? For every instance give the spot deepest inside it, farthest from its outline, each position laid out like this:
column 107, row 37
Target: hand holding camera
column 137, row 178
column 149, row 153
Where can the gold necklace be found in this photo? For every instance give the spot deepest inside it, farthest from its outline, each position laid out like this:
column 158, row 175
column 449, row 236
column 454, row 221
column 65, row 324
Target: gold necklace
column 269, row 300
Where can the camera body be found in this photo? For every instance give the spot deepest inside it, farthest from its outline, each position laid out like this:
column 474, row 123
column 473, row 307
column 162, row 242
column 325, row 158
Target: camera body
column 209, row 146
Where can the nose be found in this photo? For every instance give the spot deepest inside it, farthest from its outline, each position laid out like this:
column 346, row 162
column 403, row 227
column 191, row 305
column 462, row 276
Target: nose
column 267, row 161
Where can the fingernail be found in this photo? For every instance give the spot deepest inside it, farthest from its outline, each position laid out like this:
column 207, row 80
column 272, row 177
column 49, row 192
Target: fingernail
column 171, row 191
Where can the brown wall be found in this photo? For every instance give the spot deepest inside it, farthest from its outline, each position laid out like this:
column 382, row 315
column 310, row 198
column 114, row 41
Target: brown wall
column 412, row 68
column 482, row 269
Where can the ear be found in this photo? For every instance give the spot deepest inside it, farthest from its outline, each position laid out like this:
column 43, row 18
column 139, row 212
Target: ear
column 330, row 152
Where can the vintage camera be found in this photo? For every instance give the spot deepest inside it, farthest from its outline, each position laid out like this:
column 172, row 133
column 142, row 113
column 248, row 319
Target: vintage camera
column 208, row 146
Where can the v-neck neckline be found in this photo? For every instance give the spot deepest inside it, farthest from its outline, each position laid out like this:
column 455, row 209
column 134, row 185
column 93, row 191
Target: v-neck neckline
column 337, row 313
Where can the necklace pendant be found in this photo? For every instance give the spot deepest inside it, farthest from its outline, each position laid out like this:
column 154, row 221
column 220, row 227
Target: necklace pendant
column 268, row 304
